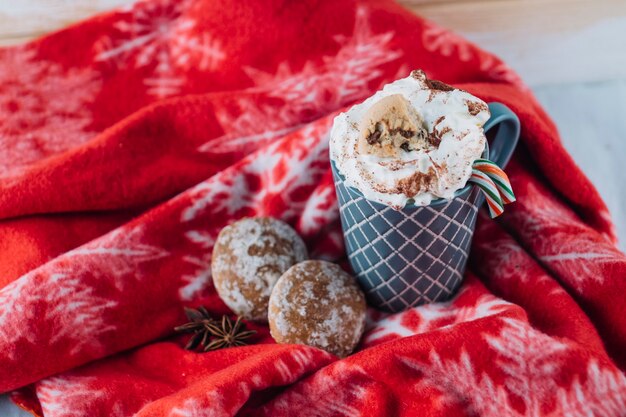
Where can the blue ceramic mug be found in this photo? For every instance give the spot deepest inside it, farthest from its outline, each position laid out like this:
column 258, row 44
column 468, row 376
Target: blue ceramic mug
column 404, row 258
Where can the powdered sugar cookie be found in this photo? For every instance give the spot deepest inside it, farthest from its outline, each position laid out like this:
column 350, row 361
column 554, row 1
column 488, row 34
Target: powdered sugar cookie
column 316, row 303
column 248, row 258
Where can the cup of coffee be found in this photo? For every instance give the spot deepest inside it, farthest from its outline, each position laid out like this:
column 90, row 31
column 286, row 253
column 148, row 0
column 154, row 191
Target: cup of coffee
column 408, row 240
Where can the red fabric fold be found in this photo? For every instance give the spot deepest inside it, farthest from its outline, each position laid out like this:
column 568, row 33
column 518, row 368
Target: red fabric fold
column 129, row 140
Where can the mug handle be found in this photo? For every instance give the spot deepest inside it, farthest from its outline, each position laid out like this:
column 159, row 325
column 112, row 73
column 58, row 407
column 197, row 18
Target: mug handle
column 503, row 144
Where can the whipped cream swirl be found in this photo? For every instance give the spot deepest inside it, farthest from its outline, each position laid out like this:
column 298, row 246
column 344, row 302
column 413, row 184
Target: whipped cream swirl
column 453, row 120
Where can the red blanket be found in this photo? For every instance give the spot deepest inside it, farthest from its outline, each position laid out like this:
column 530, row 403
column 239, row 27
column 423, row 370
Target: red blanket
column 129, row 140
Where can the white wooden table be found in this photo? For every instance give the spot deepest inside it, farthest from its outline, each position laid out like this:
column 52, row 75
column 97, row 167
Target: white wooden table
column 571, row 52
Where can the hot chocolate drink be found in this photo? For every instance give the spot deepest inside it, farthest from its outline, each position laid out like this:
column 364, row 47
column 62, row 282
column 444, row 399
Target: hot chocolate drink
column 410, row 143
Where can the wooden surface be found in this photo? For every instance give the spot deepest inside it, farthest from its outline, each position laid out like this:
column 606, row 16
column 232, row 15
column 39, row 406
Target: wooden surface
column 546, row 41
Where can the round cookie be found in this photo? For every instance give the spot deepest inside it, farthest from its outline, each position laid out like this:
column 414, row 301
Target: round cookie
column 316, row 303
column 392, row 127
column 248, row 258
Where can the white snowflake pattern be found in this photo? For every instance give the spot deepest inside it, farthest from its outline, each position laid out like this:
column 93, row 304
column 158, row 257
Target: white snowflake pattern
column 304, row 87
column 200, row 280
column 320, row 210
column 307, row 93
column 66, row 301
column 430, row 317
column 71, row 310
column 242, row 126
column 486, row 305
column 499, row 71
column 83, row 306
column 504, row 257
column 447, row 43
column 439, row 40
column 161, row 36
column 581, row 259
column 70, row 396
column 339, row 79
column 602, row 394
column 562, row 241
column 44, row 108
column 117, row 254
column 302, row 357
column 300, row 164
column 294, row 364
column 283, row 370
column 461, row 384
column 257, row 381
column 309, row 148
column 10, row 305
column 214, row 403
column 530, row 360
column 229, row 191
column 542, row 211
column 208, row 406
column 320, row 396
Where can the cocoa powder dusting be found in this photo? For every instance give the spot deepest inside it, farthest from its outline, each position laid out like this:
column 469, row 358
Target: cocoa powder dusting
column 417, row 182
column 434, row 137
column 418, row 74
column 395, row 165
column 475, row 107
column 438, row 85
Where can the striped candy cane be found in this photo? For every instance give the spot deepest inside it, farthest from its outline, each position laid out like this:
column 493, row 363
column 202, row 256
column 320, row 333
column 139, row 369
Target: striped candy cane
column 494, row 184
column 498, row 176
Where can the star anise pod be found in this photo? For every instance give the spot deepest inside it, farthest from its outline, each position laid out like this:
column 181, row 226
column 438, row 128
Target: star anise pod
column 199, row 320
column 228, row 334
column 212, row 334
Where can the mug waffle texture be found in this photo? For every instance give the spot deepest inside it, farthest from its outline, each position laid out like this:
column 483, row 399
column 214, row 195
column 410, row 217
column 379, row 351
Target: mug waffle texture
column 409, row 257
